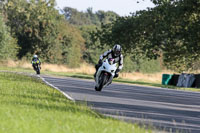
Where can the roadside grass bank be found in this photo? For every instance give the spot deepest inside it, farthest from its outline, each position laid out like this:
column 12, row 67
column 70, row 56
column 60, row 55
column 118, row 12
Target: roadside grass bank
column 28, row 105
column 84, row 75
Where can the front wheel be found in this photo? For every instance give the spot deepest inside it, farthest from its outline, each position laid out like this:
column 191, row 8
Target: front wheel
column 38, row 69
column 102, row 81
column 97, row 89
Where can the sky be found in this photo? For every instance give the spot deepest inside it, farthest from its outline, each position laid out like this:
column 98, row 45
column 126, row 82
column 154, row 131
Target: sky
column 121, row 7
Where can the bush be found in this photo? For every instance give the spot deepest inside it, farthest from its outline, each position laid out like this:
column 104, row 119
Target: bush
column 142, row 64
column 129, row 65
column 150, row 66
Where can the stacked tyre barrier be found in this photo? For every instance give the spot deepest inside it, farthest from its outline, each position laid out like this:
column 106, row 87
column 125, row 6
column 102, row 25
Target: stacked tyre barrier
column 197, row 81
column 182, row 80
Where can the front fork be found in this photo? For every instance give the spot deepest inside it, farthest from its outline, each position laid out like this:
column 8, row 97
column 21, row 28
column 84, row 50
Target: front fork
column 97, row 78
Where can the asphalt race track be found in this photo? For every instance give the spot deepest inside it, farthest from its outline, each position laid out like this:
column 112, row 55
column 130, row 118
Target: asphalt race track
column 165, row 109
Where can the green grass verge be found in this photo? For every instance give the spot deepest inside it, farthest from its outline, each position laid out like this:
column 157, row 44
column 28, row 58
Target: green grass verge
column 30, row 106
column 85, row 76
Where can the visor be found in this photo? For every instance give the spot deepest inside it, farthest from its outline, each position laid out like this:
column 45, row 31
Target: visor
column 117, row 52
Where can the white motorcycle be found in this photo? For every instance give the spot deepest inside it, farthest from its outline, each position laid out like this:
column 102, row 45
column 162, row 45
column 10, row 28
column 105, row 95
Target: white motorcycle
column 105, row 74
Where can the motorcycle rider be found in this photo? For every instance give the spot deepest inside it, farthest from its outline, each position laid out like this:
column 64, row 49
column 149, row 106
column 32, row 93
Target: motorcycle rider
column 35, row 59
column 114, row 53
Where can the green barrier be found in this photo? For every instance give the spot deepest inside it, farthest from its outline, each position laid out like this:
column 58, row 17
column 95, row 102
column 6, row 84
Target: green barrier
column 166, row 78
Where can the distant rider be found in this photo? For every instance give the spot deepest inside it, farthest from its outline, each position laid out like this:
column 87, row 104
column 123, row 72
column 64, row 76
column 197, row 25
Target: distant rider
column 35, row 60
column 114, row 53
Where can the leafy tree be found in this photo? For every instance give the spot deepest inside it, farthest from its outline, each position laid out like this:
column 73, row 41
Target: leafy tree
column 93, row 17
column 106, row 17
column 72, row 44
column 77, row 18
column 8, row 44
column 35, row 24
column 93, row 50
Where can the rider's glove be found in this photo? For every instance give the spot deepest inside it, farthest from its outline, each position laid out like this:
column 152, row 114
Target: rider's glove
column 117, row 71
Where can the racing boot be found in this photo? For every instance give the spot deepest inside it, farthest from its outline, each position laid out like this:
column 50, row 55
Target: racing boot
column 116, row 75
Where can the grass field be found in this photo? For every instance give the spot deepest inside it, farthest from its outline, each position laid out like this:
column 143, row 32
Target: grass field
column 30, row 106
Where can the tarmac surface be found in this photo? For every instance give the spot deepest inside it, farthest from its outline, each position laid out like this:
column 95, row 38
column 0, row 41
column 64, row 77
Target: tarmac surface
column 165, row 109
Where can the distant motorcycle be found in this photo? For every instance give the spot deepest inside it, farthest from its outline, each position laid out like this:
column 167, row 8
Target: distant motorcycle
column 105, row 74
column 36, row 66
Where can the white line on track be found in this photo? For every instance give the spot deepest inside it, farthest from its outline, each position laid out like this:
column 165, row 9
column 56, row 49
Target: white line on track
column 66, row 95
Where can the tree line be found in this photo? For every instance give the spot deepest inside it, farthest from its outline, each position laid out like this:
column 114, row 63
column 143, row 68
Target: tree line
column 36, row 27
column 91, row 23
column 170, row 31
column 167, row 34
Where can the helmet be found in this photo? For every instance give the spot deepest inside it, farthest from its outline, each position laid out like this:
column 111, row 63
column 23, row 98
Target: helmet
column 117, row 49
column 35, row 56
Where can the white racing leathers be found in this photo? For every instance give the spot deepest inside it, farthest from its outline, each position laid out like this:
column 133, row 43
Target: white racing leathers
column 109, row 54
